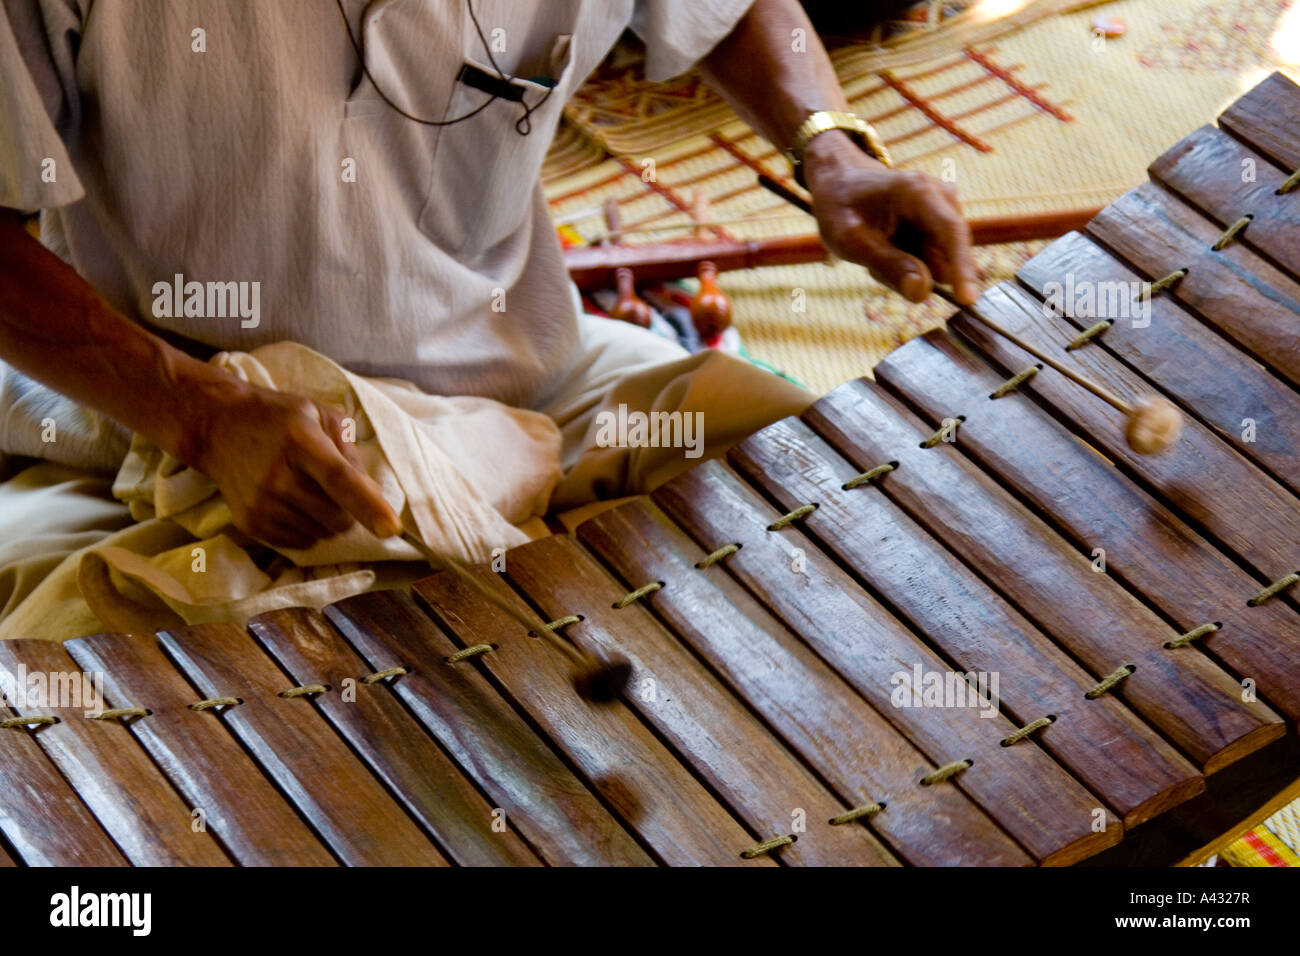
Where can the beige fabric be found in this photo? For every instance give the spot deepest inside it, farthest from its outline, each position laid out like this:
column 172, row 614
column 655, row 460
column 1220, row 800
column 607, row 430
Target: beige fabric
column 48, row 512
column 461, row 472
column 145, row 577
column 142, row 577
column 622, row 365
column 259, row 152
column 184, row 562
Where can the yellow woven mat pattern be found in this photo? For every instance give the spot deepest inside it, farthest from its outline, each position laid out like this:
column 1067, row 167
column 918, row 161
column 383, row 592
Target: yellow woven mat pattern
column 1043, row 117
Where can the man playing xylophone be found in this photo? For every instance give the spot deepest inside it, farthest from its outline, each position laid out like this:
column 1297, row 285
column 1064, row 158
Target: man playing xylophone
column 384, row 211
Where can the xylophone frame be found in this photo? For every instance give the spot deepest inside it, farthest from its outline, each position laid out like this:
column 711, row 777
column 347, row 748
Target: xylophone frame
column 962, row 514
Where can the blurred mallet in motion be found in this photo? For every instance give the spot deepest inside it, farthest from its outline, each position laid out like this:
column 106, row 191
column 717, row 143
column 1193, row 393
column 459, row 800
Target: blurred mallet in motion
column 597, row 677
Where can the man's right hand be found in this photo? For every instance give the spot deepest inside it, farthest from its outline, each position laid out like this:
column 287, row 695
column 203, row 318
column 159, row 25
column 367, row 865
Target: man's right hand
column 284, row 468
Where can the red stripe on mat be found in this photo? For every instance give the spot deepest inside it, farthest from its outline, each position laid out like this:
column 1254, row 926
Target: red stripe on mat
column 1009, row 79
column 1266, row 852
column 668, row 194
column 932, row 114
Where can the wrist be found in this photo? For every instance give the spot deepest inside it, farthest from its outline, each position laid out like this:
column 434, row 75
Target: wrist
column 203, row 394
column 830, row 155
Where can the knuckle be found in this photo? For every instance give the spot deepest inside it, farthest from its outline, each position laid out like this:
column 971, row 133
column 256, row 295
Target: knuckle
column 277, row 476
column 255, row 523
column 297, row 434
column 330, row 417
column 289, row 409
column 946, row 217
column 916, row 181
column 301, row 418
column 302, row 407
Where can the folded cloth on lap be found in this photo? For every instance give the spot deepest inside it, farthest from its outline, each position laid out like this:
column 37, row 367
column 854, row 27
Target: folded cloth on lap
column 462, row 472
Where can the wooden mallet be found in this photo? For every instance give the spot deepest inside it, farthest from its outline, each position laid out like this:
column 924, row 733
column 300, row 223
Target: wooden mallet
column 597, row 677
column 1154, row 423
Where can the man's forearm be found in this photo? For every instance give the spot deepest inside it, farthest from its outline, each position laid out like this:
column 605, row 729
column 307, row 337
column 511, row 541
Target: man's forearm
column 55, row 328
column 775, row 77
column 770, row 80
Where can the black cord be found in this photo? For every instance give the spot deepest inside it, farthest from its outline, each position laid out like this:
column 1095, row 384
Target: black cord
column 523, row 126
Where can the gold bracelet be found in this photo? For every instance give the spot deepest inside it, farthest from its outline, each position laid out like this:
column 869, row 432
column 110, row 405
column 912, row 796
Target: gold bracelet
column 859, row 130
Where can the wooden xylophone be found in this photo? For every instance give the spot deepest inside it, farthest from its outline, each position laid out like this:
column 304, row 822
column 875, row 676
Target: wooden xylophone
column 946, row 617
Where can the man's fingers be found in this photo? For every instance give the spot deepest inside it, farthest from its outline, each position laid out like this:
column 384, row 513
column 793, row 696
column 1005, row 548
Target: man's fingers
column 350, row 488
column 307, row 497
column 283, row 533
column 289, row 520
column 334, row 424
column 947, row 240
column 300, row 517
column 898, row 269
column 954, row 197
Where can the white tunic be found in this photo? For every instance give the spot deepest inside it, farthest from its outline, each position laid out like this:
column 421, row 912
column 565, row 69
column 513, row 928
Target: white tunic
column 238, row 141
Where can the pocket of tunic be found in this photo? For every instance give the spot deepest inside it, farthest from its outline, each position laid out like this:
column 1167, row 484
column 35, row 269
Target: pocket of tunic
column 365, row 101
column 484, row 169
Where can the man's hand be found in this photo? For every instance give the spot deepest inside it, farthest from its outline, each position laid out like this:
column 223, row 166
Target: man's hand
column 279, row 460
column 905, row 227
column 866, row 211
column 282, row 464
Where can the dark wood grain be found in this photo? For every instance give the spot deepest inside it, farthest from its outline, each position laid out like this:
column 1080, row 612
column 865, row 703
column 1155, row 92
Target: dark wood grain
column 814, row 711
column 240, row 807
column 146, row 818
column 1110, row 750
column 1258, row 520
column 1264, row 118
column 618, row 756
column 518, row 771
column 1205, row 168
column 41, row 816
column 1197, row 704
column 1023, row 789
column 353, row 814
column 384, row 734
column 734, row 753
column 1220, row 384
column 1233, row 289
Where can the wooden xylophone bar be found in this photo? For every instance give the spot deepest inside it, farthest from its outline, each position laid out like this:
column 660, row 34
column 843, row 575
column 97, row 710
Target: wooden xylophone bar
column 965, row 515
